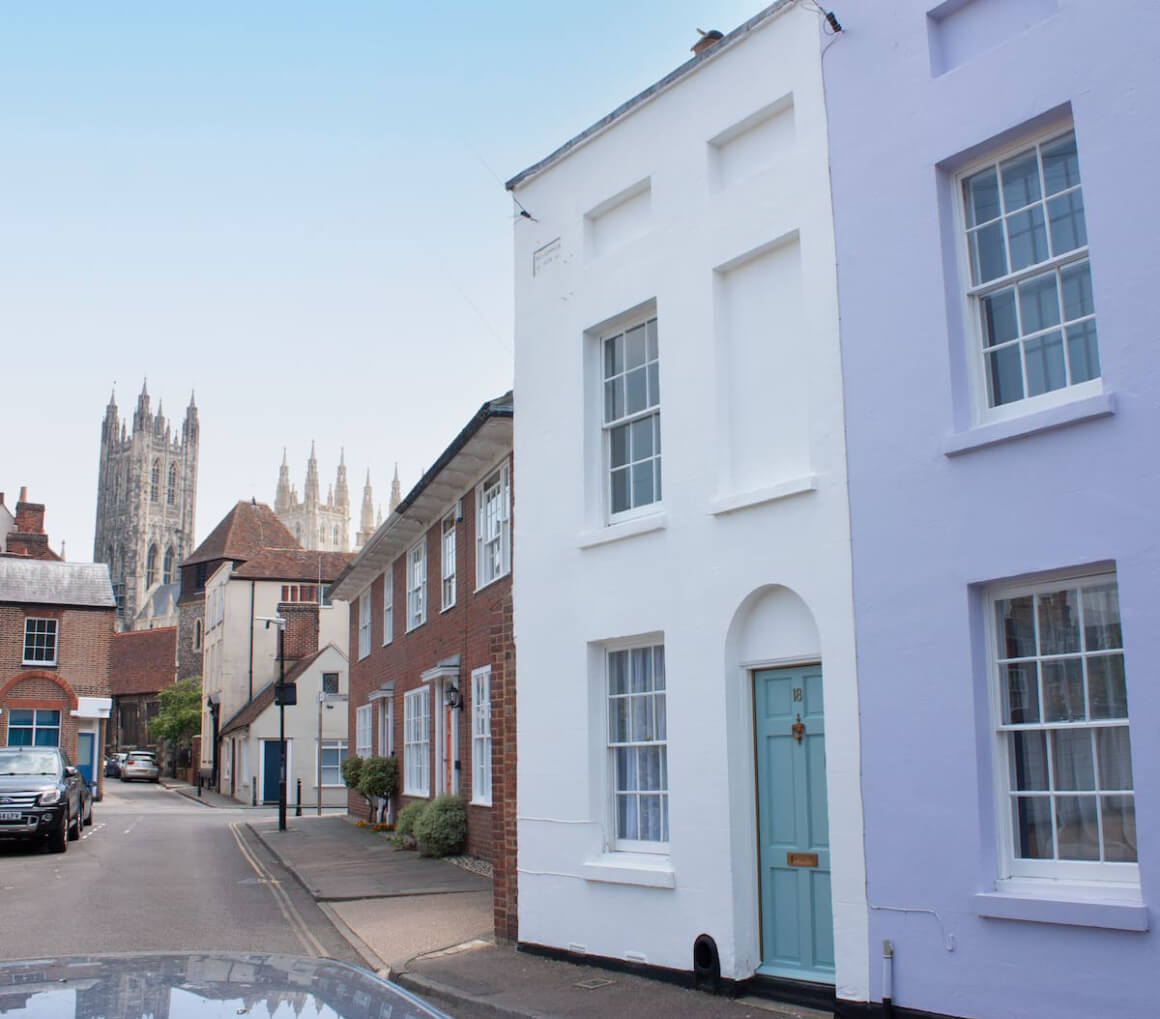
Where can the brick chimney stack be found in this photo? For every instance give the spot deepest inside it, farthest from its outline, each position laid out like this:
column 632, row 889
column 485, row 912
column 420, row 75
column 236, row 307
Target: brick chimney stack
column 29, row 515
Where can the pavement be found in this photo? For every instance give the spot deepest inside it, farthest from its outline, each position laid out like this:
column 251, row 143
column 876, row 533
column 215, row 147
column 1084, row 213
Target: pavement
column 427, row 925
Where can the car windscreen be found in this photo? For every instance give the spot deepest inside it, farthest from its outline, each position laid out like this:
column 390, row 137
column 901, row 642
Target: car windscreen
column 29, row 762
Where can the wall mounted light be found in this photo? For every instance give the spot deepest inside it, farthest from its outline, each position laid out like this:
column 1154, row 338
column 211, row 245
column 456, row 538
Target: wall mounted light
column 453, row 698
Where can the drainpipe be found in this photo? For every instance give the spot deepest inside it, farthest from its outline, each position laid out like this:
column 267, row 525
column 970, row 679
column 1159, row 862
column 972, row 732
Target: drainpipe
column 887, row 980
column 251, row 697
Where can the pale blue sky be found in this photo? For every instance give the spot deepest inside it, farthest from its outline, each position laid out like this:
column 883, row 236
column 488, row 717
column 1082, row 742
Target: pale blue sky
column 292, row 208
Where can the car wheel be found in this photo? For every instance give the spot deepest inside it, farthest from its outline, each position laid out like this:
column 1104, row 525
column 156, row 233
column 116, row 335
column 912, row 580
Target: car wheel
column 74, row 830
column 58, row 837
column 89, row 815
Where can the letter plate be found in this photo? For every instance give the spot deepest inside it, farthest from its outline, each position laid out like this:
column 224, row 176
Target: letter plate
column 801, row 859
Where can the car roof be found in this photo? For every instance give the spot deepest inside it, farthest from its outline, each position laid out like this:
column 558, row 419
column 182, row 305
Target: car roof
column 21, row 750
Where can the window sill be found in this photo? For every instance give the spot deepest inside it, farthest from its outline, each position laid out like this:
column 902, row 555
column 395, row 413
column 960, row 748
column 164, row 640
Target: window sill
column 783, row 490
column 630, row 869
column 1074, row 906
column 982, row 436
column 625, row 529
column 488, row 583
column 39, row 665
column 479, row 803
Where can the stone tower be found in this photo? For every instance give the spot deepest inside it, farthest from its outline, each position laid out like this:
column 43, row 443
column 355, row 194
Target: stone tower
column 146, row 498
column 318, row 525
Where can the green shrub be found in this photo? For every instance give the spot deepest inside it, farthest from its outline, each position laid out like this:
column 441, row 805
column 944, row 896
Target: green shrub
column 442, row 828
column 352, row 771
column 404, row 837
column 378, row 778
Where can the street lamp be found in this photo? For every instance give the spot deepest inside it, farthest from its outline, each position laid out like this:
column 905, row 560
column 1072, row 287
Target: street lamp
column 329, row 699
column 282, row 697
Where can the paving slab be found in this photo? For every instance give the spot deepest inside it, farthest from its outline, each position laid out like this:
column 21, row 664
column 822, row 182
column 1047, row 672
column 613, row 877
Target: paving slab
column 337, row 861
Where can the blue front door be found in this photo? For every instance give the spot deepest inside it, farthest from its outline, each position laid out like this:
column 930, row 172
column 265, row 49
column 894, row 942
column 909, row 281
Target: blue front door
column 271, row 770
column 797, row 927
column 85, row 757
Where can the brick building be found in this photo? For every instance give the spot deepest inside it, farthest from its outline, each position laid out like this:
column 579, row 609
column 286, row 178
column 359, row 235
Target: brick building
column 56, row 628
column 432, row 674
column 23, row 534
column 142, row 664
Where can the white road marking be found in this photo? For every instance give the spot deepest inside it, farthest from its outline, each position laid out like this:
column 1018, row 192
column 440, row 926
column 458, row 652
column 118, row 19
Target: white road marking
column 291, row 915
column 93, row 829
column 132, row 826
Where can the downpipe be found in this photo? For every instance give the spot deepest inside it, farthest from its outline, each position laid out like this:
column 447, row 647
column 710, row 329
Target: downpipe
column 887, row 980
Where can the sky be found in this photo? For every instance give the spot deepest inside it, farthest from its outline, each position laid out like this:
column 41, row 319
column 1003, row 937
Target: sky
column 293, row 210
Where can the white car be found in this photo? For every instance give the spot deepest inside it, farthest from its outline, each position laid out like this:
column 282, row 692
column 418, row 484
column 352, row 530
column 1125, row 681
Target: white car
column 140, row 764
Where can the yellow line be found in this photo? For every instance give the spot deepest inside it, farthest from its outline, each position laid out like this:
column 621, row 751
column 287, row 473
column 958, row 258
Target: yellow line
column 309, row 942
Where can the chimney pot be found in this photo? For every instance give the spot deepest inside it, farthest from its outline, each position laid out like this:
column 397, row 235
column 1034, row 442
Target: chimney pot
column 707, row 39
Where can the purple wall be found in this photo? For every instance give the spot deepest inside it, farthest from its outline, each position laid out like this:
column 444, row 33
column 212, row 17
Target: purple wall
column 942, row 508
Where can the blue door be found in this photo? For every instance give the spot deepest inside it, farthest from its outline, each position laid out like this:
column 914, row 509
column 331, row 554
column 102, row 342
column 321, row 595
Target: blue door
column 797, row 925
column 271, row 770
column 85, row 758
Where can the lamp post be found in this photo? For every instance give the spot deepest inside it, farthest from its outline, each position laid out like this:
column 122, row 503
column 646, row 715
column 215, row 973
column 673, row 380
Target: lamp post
column 281, row 698
column 329, row 699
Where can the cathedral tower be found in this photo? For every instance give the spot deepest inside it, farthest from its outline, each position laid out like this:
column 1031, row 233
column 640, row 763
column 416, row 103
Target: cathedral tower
column 146, row 497
column 318, row 524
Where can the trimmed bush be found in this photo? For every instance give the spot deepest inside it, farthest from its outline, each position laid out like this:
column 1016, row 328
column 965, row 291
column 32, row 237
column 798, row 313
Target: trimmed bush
column 405, row 824
column 378, row 779
column 352, row 771
column 442, row 828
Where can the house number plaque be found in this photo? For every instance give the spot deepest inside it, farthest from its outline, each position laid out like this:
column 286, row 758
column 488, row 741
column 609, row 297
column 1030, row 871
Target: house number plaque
column 801, row 859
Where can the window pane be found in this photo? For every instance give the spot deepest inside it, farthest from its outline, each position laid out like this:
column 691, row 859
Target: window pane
column 1021, row 180
column 662, row 726
column 1028, row 761
column 657, row 480
column 654, row 384
column 47, row 737
column 642, row 484
column 613, row 356
column 641, row 670
column 1078, row 830
column 1005, row 375
column 1058, row 623
column 1107, row 693
column 618, row 439
column 642, row 434
column 656, row 420
column 634, row 347
column 1071, row 759
column 1119, row 818
column 649, row 767
column 650, row 818
column 626, row 774
column 626, row 826
column 988, row 253
column 1101, row 618
column 1063, row 691
column 20, row 716
column 659, row 668
column 1045, row 367
column 1028, row 238
column 1016, row 627
column 617, row 672
column 1020, row 693
column 636, row 384
column 650, row 328
column 614, row 398
column 1060, row 164
column 1033, row 828
column 1076, row 285
column 999, row 321
column 1115, row 756
column 1039, row 303
column 982, row 197
column 1068, row 229
column 1083, row 355
column 643, row 729
column 618, row 720
column 620, row 490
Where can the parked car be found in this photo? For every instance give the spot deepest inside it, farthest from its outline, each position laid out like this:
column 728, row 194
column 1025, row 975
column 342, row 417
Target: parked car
column 42, row 796
column 113, row 765
column 140, row 764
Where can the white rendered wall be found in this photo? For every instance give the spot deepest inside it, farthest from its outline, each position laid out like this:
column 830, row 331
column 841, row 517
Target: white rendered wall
column 710, row 205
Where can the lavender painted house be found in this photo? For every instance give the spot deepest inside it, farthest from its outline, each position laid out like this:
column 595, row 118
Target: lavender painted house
column 993, row 167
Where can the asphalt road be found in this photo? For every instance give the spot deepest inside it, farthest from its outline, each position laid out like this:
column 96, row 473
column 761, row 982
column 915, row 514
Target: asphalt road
column 158, row 872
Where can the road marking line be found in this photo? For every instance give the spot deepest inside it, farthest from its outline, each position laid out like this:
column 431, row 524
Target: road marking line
column 312, row 945
column 132, row 826
column 93, row 829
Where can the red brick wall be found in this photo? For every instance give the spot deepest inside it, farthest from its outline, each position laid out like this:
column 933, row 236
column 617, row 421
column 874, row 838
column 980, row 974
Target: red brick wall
column 301, row 629
column 84, row 641
column 479, row 629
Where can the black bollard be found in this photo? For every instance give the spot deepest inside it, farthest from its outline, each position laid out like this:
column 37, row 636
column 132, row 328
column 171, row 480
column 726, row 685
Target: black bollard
column 298, row 805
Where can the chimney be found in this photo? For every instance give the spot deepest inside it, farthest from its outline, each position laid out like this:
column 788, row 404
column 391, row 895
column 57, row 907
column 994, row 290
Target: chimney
column 707, row 39
column 29, row 515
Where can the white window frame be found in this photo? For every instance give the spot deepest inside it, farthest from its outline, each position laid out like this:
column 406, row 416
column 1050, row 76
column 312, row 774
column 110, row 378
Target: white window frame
column 386, row 726
column 417, row 584
column 1016, row 872
column 362, row 729
column 364, row 624
column 321, row 769
column 653, row 644
column 610, row 421
column 493, row 531
column 447, row 543
column 388, row 604
column 45, row 636
column 973, row 293
column 481, row 736
column 417, row 742
column 36, row 726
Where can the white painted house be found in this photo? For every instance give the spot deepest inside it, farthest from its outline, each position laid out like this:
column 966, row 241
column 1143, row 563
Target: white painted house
column 684, row 577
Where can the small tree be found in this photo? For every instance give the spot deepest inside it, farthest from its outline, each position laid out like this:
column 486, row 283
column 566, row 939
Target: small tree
column 352, row 771
column 179, row 718
column 442, row 828
column 378, row 779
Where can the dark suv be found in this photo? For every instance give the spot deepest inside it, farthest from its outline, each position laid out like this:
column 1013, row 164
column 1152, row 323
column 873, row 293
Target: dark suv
column 42, row 796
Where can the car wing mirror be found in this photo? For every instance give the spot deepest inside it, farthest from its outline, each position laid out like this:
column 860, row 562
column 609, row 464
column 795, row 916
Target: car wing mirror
column 70, row 770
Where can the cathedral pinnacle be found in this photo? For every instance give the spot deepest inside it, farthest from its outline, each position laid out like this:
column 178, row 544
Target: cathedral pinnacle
column 396, row 490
